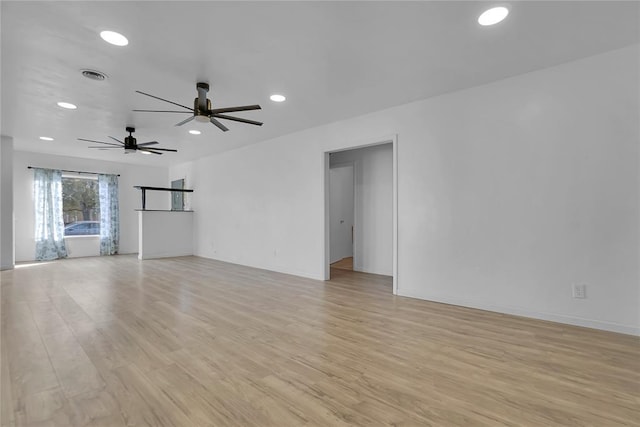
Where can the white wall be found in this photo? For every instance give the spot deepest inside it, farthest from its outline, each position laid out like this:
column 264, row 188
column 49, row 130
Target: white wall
column 373, row 207
column 7, row 258
column 341, row 211
column 130, row 199
column 82, row 246
column 508, row 194
column 165, row 234
column 257, row 206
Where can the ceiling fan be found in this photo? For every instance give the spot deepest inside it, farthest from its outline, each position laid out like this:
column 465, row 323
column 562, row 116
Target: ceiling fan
column 130, row 144
column 202, row 110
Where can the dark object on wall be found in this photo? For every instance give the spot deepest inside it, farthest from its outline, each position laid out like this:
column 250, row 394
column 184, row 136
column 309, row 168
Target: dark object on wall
column 177, row 197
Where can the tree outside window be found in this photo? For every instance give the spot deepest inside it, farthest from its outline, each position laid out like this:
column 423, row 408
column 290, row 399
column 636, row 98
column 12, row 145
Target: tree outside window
column 80, row 206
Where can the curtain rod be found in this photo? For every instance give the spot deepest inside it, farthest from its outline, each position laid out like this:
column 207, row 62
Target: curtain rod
column 66, row 170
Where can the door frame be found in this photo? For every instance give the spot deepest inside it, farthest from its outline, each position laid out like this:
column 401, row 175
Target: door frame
column 393, row 140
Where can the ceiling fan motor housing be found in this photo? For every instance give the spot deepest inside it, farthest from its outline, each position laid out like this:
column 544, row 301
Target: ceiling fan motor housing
column 130, row 145
column 201, row 115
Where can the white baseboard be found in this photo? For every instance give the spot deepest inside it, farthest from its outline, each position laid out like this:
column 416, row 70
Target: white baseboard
column 275, row 269
column 541, row 315
column 155, row 255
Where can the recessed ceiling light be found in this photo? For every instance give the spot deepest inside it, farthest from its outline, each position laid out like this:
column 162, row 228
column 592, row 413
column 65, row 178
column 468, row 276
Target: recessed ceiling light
column 67, row 105
column 277, row 98
column 493, row 16
column 46, row 138
column 144, row 152
column 194, row 132
column 114, row 38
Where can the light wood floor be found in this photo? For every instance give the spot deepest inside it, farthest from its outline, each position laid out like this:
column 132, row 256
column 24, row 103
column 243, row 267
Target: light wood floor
column 192, row 342
column 344, row 264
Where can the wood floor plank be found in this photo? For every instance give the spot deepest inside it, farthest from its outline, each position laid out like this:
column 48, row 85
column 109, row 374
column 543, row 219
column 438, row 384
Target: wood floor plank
column 27, row 362
column 115, row 341
column 128, row 346
column 96, row 408
column 140, row 402
column 7, row 416
column 208, row 402
column 75, row 371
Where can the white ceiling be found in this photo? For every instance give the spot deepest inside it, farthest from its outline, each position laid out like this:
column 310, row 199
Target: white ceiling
column 333, row 60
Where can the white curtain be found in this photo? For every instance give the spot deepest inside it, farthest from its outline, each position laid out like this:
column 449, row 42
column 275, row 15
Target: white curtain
column 49, row 226
column 109, row 214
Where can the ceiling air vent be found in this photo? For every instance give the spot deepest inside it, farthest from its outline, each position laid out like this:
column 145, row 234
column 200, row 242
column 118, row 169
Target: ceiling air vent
column 94, row 75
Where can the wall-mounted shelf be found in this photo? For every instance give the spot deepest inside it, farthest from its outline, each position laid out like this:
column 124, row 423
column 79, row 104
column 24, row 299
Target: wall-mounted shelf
column 144, row 192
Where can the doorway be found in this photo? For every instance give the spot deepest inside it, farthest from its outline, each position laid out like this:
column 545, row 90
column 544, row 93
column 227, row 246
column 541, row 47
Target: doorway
column 369, row 173
column 341, row 215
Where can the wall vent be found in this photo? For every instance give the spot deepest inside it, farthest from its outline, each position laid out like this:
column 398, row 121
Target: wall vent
column 94, row 75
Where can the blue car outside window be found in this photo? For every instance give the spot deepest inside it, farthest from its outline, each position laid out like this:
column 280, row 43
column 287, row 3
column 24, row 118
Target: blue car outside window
column 82, row 229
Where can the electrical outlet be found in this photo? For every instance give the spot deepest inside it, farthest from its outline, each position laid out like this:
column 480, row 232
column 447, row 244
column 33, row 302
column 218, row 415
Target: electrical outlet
column 579, row 291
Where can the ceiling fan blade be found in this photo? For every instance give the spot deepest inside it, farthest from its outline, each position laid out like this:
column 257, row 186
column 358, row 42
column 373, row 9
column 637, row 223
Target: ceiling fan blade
column 159, row 149
column 117, row 140
column 106, row 148
column 148, row 143
column 238, row 119
column 185, row 121
column 100, row 142
column 160, row 111
column 232, row 109
column 165, row 100
column 149, row 150
column 222, row 127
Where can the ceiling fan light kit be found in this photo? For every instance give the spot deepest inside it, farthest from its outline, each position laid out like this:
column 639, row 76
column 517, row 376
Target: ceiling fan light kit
column 202, row 111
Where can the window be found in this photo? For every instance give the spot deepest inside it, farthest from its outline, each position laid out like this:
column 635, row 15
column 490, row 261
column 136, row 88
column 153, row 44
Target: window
column 80, row 206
